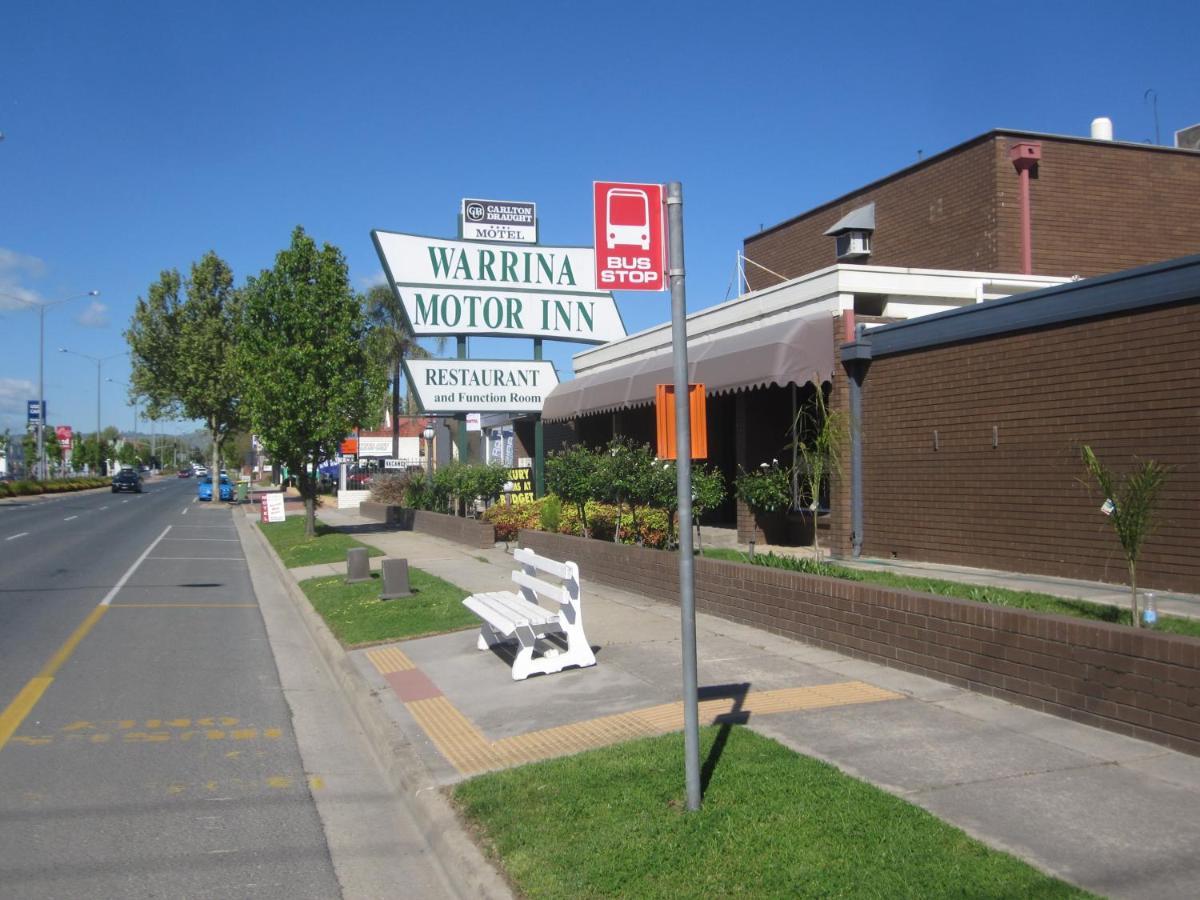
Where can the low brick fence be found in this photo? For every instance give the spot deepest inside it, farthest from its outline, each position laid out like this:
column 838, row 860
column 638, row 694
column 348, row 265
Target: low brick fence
column 1139, row 683
column 471, row 532
column 399, row 517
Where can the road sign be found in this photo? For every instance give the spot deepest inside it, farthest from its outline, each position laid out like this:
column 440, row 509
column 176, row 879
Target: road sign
column 499, row 220
column 465, row 287
column 630, row 236
column 32, row 412
column 480, row 385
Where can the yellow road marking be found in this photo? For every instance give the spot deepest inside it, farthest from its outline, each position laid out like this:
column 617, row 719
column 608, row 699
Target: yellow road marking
column 469, row 751
column 16, row 712
column 65, row 651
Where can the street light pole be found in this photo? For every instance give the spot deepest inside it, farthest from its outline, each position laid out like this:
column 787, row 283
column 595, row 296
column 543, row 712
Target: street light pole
column 41, row 398
column 99, row 361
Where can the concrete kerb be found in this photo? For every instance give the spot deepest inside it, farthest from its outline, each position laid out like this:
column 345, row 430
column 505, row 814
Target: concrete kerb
column 460, row 859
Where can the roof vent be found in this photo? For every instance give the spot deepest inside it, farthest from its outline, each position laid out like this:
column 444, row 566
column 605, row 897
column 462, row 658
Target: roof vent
column 853, row 232
column 1102, row 129
column 1188, row 138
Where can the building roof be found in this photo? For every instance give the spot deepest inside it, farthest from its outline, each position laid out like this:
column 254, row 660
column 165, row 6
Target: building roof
column 958, row 148
column 1159, row 284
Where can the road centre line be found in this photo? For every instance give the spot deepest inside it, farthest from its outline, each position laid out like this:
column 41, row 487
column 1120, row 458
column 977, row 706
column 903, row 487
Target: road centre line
column 184, row 513
column 15, row 536
column 16, row 711
column 69, row 518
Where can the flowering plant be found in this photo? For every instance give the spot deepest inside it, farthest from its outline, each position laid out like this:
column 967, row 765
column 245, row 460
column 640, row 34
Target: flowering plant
column 765, row 489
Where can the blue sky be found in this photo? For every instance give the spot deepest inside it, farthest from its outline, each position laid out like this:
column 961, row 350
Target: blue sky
column 140, row 135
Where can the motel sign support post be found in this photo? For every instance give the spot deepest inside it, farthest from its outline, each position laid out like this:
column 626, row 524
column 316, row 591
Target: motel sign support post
column 683, row 469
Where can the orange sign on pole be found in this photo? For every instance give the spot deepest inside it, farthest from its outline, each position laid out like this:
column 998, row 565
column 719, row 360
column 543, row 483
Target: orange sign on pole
column 664, row 407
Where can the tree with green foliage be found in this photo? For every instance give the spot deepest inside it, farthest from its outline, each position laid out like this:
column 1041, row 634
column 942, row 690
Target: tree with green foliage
column 627, row 477
column 708, row 492
column 576, row 475
column 393, row 341
column 50, row 445
column 308, row 376
column 1130, row 502
column 182, row 342
column 820, row 433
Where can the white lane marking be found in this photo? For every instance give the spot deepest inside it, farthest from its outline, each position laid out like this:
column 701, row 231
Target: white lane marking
column 15, row 536
column 124, row 501
column 124, row 578
column 102, row 508
column 228, row 540
column 184, row 513
column 213, row 558
column 69, row 518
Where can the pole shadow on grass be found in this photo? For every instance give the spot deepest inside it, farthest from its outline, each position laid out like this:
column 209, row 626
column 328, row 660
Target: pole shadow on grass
column 738, row 715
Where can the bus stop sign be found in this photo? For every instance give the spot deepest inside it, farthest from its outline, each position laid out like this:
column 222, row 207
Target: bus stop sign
column 631, row 237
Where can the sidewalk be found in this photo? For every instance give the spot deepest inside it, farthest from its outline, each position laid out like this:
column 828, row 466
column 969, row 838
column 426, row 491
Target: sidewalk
column 1114, row 815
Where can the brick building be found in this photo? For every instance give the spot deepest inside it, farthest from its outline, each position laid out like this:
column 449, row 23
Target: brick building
column 970, row 445
column 1096, row 206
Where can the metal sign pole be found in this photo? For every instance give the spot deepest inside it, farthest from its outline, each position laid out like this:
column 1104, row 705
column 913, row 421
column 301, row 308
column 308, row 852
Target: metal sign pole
column 683, row 464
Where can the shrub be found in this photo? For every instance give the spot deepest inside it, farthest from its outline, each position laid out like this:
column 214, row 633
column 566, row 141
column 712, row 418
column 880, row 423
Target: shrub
column 550, row 513
column 4, row 491
column 765, row 489
column 576, row 475
column 509, row 520
column 391, row 489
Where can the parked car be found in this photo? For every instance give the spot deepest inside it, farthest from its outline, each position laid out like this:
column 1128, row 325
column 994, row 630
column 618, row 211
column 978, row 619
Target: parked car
column 204, row 489
column 128, row 479
column 185, row 473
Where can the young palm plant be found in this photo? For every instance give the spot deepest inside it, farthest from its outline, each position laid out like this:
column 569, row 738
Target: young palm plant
column 1130, row 503
column 394, row 341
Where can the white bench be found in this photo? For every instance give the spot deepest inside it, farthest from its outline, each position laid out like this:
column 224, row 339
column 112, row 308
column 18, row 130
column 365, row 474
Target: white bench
column 517, row 616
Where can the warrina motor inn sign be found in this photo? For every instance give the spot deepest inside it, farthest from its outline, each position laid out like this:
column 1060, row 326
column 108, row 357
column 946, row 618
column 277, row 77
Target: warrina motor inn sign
column 473, row 288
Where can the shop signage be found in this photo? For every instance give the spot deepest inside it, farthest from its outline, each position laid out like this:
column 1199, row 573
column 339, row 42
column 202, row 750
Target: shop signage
column 63, row 434
column 499, row 220
column 459, row 287
column 630, row 236
column 522, row 483
column 474, row 422
column 33, row 417
column 480, row 385
column 375, row 446
column 271, row 509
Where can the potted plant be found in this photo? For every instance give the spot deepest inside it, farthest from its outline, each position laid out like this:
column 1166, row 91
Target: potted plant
column 767, row 490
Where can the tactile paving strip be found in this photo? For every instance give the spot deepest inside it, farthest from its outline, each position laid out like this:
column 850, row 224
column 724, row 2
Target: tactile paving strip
column 470, row 752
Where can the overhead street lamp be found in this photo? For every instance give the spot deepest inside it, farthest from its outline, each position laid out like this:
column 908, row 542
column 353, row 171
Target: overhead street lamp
column 41, row 307
column 99, row 361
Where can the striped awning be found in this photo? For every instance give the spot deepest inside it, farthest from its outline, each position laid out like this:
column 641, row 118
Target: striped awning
column 795, row 351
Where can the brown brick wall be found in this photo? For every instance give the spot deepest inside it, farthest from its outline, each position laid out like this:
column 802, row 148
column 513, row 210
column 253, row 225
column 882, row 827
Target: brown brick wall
column 455, row 528
column 1126, row 385
column 1143, row 684
column 1096, row 208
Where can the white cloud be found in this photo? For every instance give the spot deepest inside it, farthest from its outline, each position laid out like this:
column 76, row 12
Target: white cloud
column 369, row 281
column 95, row 316
column 14, row 392
column 15, row 268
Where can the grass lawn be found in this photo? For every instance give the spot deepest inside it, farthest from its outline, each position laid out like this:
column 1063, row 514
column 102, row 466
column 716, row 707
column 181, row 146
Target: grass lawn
column 296, row 550
column 1047, row 603
column 610, row 823
column 356, row 615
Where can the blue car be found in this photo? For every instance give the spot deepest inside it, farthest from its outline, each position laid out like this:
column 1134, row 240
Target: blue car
column 204, row 488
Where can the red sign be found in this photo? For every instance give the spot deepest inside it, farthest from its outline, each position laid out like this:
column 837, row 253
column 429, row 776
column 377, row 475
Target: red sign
column 631, row 237
column 349, row 446
column 63, row 433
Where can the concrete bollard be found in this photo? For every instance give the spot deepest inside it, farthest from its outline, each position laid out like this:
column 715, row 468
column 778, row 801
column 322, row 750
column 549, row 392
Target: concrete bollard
column 358, row 566
column 395, row 580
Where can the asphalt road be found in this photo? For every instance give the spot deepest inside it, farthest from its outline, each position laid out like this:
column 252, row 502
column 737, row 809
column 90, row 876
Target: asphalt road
column 146, row 749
